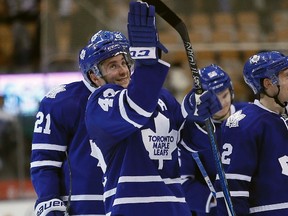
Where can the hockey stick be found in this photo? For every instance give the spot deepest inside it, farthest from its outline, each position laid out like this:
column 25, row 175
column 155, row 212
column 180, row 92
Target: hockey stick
column 170, row 17
column 196, row 157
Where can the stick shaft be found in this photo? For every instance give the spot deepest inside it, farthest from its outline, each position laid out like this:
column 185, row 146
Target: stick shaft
column 170, row 17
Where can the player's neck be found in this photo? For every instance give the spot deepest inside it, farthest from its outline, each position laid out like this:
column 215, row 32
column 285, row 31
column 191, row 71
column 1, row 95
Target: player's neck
column 270, row 104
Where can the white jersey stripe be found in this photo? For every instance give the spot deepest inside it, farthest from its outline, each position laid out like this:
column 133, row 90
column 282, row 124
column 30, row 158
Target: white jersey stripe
column 109, row 193
column 137, row 108
column 236, row 177
column 125, row 179
column 45, row 146
column 45, row 163
column 234, row 194
column 84, row 197
column 150, row 199
column 269, row 207
column 123, row 111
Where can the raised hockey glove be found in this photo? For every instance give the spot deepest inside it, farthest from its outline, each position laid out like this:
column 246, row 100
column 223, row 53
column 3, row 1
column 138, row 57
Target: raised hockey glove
column 142, row 32
column 53, row 207
column 203, row 106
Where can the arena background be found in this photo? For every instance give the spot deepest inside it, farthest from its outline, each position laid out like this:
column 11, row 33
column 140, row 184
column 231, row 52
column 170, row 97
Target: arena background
column 40, row 41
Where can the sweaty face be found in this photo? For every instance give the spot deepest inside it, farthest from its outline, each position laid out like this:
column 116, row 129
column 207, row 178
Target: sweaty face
column 225, row 100
column 115, row 70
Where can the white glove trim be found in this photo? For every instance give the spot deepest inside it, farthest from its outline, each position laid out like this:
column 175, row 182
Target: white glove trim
column 44, row 208
column 143, row 52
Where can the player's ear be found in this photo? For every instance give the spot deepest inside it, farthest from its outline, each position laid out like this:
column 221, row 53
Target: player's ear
column 267, row 83
column 95, row 79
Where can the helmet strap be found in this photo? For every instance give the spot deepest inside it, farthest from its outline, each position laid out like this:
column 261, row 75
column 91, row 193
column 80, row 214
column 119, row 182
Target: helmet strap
column 276, row 99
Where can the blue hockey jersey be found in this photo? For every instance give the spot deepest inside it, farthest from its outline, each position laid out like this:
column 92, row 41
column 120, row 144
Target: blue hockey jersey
column 198, row 194
column 255, row 156
column 136, row 133
column 60, row 128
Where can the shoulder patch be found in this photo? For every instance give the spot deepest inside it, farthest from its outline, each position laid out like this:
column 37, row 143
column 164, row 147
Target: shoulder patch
column 233, row 120
column 55, row 91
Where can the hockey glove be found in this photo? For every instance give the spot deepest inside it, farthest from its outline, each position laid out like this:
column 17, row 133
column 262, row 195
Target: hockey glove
column 53, row 207
column 142, row 33
column 203, row 106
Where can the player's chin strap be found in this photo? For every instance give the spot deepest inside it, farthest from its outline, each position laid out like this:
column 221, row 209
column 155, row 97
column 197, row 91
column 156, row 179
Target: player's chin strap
column 284, row 104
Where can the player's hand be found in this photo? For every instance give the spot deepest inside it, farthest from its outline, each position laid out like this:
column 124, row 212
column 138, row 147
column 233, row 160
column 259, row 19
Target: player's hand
column 203, row 106
column 142, row 32
column 52, row 207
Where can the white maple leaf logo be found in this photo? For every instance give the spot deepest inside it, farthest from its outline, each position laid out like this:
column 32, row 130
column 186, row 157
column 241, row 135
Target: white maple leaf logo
column 55, row 91
column 254, row 59
column 233, row 120
column 162, row 143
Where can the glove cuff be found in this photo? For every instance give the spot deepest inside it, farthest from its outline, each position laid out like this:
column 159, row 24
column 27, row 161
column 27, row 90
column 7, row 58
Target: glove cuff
column 143, row 52
column 44, row 208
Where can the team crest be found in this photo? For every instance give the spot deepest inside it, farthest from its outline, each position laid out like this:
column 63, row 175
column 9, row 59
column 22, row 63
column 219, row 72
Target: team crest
column 55, row 91
column 233, row 120
column 212, row 74
column 254, row 59
column 162, row 143
column 82, row 54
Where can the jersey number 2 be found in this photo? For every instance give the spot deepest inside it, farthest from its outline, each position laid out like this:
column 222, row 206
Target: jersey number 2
column 284, row 164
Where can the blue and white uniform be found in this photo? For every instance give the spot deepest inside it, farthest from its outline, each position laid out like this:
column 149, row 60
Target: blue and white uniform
column 258, row 174
column 135, row 132
column 198, row 194
column 60, row 128
column 198, row 166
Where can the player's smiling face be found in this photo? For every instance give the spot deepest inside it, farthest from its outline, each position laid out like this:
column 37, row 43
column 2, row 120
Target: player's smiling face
column 115, row 70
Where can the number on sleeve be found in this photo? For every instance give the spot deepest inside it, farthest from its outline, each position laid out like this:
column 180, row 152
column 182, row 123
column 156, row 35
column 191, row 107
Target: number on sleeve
column 40, row 122
column 107, row 101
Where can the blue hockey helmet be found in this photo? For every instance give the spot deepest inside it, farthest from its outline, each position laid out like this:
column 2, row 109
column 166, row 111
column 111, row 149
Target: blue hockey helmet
column 101, row 46
column 264, row 65
column 214, row 78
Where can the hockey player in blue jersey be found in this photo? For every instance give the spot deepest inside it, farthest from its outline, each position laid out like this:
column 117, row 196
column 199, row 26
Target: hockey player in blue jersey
column 198, row 169
column 65, row 176
column 255, row 150
column 134, row 128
